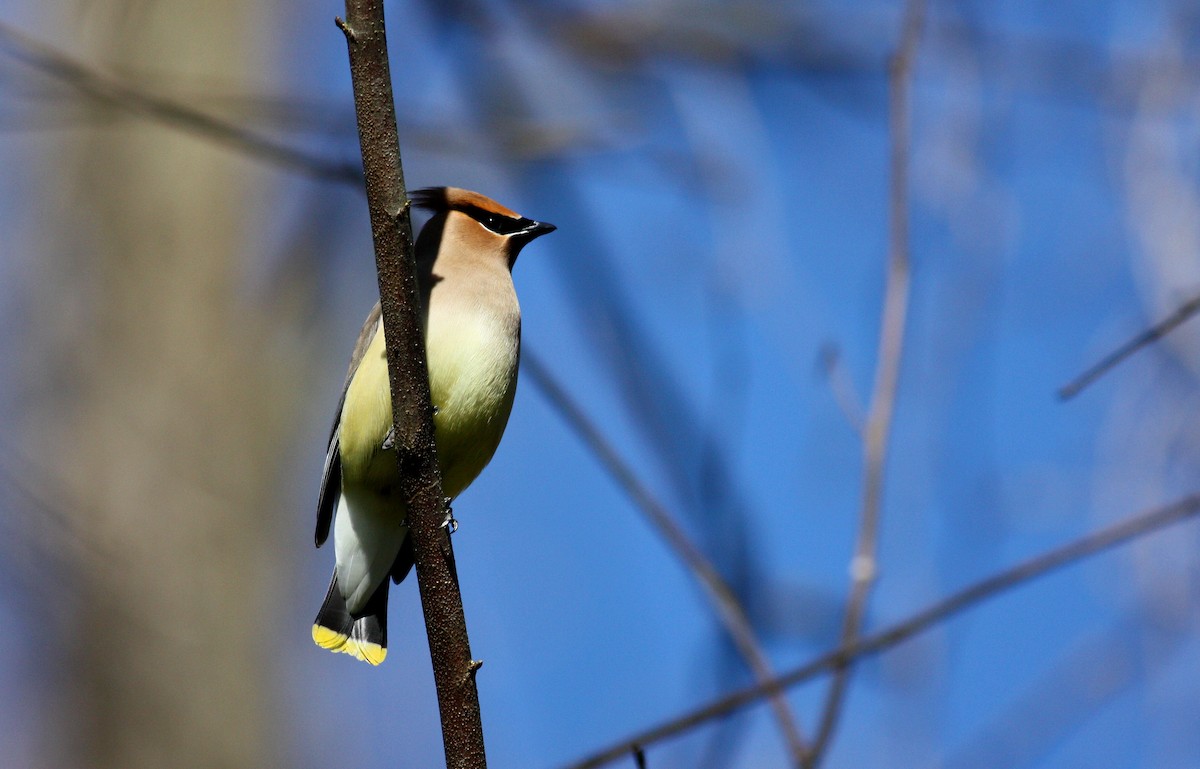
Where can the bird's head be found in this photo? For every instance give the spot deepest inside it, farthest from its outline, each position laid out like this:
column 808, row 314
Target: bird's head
column 478, row 223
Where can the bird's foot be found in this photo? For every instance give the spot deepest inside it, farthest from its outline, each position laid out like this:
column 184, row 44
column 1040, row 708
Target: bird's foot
column 450, row 522
column 389, row 440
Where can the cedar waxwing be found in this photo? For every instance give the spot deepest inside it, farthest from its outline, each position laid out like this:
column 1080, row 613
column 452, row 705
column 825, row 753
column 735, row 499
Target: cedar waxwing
column 472, row 324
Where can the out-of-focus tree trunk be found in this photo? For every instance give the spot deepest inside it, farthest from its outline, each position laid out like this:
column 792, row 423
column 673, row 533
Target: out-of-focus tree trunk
column 172, row 420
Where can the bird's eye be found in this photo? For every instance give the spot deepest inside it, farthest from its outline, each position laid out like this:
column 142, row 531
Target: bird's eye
column 497, row 223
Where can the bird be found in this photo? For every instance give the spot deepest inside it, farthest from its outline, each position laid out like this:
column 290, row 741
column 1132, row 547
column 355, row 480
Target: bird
column 472, row 325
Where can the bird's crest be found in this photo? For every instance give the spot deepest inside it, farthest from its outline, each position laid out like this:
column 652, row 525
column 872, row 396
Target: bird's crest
column 437, row 199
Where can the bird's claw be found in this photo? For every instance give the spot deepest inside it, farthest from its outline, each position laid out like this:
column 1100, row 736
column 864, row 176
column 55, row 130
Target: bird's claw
column 389, row 440
column 449, row 522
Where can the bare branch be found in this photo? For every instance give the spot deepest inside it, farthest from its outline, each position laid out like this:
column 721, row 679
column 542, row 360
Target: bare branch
column 115, row 93
column 864, row 567
column 869, row 645
column 1118, row 356
column 848, row 401
column 721, row 597
column 412, row 412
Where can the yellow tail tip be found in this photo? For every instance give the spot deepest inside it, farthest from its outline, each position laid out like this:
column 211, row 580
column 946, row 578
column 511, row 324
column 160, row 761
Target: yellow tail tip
column 371, row 653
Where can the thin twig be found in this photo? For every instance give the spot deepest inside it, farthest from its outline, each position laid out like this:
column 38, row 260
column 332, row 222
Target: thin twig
column 844, row 394
column 1089, row 545
column 412, row 412
column 721, row 597
column 864, row 566
column 1117, row 356
column 116, row 93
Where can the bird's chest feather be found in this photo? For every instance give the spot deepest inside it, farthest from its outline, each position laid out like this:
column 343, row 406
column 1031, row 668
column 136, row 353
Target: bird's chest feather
column 473, row 355
column 472, row 378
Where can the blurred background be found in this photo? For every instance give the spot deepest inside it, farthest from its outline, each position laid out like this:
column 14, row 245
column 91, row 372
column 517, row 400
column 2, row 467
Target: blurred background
column 178, row 301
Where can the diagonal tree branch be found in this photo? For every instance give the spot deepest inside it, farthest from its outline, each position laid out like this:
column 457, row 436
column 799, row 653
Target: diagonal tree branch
column 412, row 412
column 842, row 388
column 721, row 597
column 121, row 95
column 864, row 566
column 1117, row 356
column 1080, row 549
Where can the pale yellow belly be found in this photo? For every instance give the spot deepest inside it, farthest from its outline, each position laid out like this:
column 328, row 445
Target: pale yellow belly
column 472, row 379
column 473, row 372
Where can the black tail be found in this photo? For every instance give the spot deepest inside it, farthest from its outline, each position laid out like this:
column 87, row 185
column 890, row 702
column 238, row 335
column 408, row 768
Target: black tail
column 364, row 636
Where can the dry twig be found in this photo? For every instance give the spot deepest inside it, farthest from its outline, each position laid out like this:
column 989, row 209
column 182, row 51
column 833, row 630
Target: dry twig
column 721, row 597
column 1117, row 356
column 1089, row 545
column 864, row 567
column 116, row 93
column 841, row 387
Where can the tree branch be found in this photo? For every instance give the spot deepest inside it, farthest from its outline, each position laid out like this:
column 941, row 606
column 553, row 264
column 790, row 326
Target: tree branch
column 119, row 94
column 864, row 566
column 842, row 388
column 869, row 645
column 391, row 228
column 1117, row 356
column 721, row 597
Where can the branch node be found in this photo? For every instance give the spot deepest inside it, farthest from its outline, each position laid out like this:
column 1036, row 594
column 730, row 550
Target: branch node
column 472, row 668
column 863, row 568
column 345, row 28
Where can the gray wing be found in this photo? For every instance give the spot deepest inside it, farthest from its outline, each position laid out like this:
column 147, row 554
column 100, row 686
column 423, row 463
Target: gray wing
column 331, row 478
